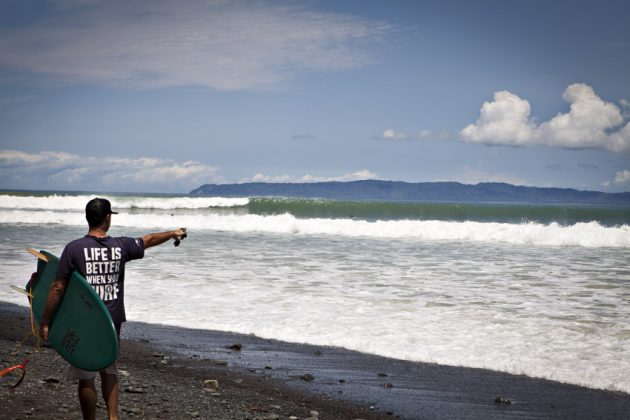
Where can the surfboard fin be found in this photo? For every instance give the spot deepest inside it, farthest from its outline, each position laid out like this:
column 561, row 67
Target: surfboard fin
column 37, row 254
column 21, row 290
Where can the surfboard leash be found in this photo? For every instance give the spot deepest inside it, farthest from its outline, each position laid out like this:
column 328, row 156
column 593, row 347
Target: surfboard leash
column 11, row 380
column 13, row 376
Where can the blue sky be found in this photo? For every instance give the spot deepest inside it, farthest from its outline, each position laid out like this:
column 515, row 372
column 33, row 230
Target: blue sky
column 165, row 95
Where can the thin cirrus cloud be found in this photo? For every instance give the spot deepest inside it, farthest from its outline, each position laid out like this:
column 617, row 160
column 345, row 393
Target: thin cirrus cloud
column 472, row 175
column 66, row 170
column 354, row 176
column 590, row 123
column 226, row 45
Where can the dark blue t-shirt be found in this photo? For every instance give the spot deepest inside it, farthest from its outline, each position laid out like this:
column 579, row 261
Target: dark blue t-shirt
column 102, row 262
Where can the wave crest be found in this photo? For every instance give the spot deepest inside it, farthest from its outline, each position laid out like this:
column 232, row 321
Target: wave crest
column 58, row 202
column 591, row 234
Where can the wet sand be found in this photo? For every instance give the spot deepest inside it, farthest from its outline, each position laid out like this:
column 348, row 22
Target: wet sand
column 162, row 372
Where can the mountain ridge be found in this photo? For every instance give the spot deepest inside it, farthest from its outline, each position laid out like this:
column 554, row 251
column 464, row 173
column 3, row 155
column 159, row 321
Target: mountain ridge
column 407, row 191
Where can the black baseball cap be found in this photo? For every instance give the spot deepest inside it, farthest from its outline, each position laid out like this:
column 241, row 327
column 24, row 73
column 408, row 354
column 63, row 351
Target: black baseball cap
column 97, row 210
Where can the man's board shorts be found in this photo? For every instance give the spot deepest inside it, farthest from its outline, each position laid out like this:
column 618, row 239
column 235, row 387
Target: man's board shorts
column 76, row 374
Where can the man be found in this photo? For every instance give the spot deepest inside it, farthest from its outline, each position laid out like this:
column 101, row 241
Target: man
column 99, row 253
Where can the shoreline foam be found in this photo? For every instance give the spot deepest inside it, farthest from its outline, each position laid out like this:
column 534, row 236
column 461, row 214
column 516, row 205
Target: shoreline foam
column 352, row 380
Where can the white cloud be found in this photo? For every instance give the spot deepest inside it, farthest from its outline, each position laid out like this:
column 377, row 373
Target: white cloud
column 391, row 134
column 60, row 170
column 355, row 176
column 265, row 178
column 504, row 121
column 589, row 123
column 622, row 177
column 228, row 45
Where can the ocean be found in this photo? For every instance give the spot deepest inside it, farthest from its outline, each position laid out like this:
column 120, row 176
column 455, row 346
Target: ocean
column 539, row 290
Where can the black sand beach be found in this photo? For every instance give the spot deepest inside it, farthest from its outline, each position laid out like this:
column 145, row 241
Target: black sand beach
column 163, row 369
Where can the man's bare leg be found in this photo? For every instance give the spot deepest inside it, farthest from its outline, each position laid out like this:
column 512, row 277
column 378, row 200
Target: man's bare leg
column 109, row 386
column 87, row 398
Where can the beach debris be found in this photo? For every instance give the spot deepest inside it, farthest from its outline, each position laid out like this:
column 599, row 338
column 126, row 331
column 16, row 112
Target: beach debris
column 134, row 390
column 502, row 400
column 211, row 384
column 132, row 410
column 236, row 347
column 307, row 377
column 388, row 385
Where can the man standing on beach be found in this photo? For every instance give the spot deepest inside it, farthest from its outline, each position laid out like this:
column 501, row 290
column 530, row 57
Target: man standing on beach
column 98, row 252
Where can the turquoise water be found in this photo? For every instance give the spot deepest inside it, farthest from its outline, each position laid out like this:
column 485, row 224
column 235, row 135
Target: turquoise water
column 492, row 212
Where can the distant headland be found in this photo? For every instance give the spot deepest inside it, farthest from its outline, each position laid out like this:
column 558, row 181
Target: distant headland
column 421, row 191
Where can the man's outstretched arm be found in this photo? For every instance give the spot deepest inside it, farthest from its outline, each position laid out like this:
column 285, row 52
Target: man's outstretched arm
column 154, row 239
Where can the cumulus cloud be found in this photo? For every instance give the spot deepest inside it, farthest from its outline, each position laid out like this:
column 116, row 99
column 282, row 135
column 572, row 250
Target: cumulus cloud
column 506, row 120
column 391, row 134
column 590, row 123
column 228, row 45
column 60, row 170
column 622, row 177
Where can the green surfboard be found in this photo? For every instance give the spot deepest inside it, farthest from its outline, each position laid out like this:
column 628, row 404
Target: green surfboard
column 82, row 330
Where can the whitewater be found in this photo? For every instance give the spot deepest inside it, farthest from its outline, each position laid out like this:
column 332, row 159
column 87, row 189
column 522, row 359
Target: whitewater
column 545, row 299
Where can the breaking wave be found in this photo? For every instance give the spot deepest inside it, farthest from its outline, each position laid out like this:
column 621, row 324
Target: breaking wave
column 58, row 202
column 590, row 234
